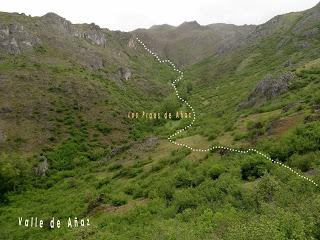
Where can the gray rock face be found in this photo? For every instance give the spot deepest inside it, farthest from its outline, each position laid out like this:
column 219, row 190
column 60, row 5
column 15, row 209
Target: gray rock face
column 43, row 166
column 268, row 88
column 59, row 24
column 118, row 150
column 93, row 34
column 15, row 39
column 147, row 143
column 131, row 43
column 125, row 73
column 90, row 32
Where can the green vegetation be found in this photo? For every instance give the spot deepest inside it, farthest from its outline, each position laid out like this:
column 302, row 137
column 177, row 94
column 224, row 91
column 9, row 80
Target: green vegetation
column 68, row 148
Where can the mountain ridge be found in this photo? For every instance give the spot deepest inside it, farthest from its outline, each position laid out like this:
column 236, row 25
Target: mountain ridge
column 80, row 134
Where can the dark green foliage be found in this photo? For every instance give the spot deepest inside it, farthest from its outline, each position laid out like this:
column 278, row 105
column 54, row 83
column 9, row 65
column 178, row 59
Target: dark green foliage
column 170, row 105
column 267, row 188
column 185, row 199
column 253, row 170
column 103, row 128
column 14, row 171
column 63, row 156
column 304, row 139
column 118, row 200
column 169, row 194
column 189, row 87
column 304, row 162
column 215, row 172
column 103, row 182
column 180, row 153
column 183, row 179
column 115, row 166
column 128, row 172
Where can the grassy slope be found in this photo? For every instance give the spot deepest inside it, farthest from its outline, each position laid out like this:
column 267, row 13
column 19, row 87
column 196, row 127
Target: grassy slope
column 168, row 192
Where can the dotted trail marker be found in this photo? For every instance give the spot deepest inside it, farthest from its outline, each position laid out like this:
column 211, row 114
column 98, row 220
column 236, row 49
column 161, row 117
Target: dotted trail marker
column 167, row 61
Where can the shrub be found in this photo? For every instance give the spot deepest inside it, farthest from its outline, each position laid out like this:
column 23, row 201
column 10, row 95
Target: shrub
column 118, row 200
column 267, row 187
column 180, row 153
column 304, row 162
column 304, row 139
column 185, row 199
column 183, row 179
column 170, row 105
column 62, row 157
column 105, row 181
column 14, row 170
column 215, row 172
column 239, row 136
column 115, row 166
column 253, row 170
column 128, row 172
column 103, row 128
column 135, row 190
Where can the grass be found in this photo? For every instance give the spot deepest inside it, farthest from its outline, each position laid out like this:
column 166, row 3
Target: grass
column 76, row 117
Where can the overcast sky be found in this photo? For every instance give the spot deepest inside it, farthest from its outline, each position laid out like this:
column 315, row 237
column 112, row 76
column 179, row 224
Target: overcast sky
column 128, row 15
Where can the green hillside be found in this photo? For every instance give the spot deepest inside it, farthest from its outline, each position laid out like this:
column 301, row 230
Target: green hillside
column 68, row 148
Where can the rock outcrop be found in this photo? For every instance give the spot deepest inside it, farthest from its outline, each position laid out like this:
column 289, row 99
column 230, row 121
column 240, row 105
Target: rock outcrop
column 92, row 33
column 125, row 73
column 59, row 24
column 131, row 43
column 15, row 39
column 268, row 88
column 42, row 167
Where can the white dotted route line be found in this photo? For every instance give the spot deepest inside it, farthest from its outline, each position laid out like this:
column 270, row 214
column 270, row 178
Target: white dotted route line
column 194, row 118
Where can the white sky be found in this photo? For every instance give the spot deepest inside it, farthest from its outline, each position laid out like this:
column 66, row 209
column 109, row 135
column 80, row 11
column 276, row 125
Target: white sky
column 128, row 15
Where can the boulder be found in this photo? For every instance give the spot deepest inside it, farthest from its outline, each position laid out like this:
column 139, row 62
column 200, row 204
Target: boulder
column 125, row 73
column 131, row 43
column 42, row 167
column 316, row 108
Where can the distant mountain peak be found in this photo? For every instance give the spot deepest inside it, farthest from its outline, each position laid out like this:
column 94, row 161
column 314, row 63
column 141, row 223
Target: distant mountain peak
column 162, row 26
column 191, row 24
column 52, row 15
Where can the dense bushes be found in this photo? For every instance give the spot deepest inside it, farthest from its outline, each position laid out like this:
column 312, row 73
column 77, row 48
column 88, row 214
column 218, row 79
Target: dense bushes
column 118, row 199
column 62, row 157
column 254, row 169
column 185, row 199
column 103, row 128
column 304, row 139
column 14, row 170
column 305, row 162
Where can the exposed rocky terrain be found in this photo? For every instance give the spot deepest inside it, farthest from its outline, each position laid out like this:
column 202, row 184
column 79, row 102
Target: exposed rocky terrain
column 68, row 147
column 269, row 87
